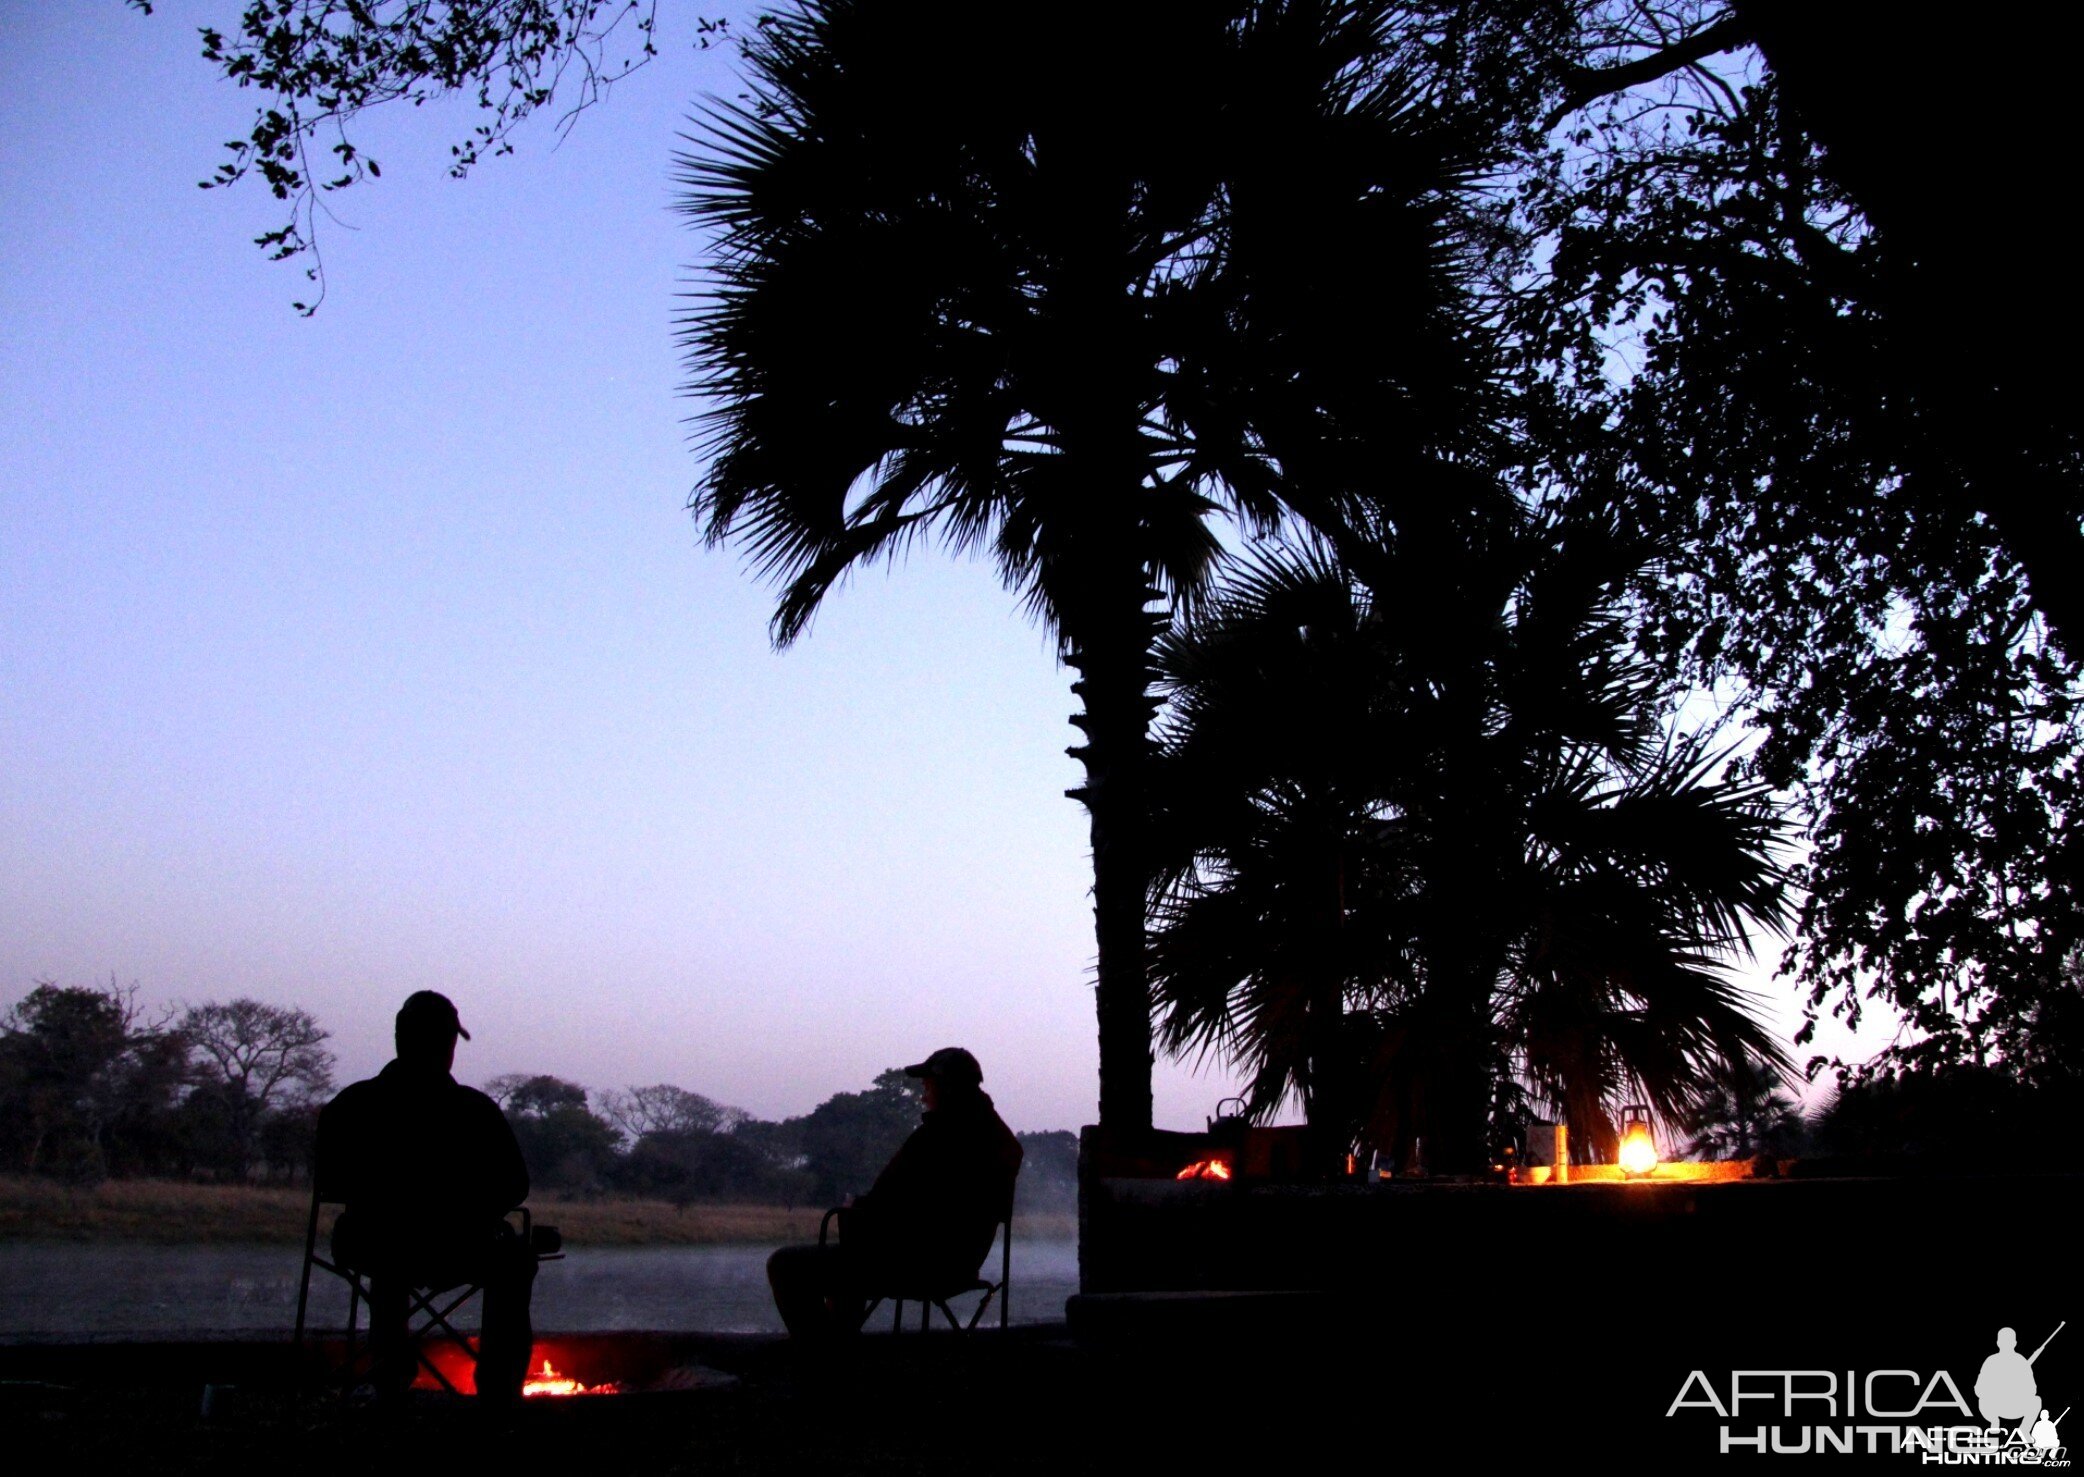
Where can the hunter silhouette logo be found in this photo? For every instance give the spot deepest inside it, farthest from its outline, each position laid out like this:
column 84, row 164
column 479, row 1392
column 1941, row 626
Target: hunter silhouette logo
column 2046, row 1439
column 1887, row 1411
column 2005, row 1390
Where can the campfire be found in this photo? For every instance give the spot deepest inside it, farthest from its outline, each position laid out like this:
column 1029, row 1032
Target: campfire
column 1205, row 1169
column 547, row 1381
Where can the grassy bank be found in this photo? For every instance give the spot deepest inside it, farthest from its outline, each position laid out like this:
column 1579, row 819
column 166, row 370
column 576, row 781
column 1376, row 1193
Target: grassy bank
column 168, row 1212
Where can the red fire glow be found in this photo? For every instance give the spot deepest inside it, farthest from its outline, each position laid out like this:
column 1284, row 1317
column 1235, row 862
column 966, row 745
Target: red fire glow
column 1205, row 1169
column 549, row 1382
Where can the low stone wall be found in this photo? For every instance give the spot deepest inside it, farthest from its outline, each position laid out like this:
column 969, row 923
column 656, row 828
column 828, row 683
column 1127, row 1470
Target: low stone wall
column 1506, row 1247
column 1628, row 1316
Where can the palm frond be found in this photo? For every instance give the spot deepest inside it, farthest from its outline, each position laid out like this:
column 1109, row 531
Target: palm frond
column 1438, row 781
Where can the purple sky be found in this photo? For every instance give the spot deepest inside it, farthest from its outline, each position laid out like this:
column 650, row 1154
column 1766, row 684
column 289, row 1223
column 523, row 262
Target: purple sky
column 346, row 657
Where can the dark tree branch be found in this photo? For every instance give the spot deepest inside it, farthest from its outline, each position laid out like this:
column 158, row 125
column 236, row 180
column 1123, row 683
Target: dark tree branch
column 1582, row 84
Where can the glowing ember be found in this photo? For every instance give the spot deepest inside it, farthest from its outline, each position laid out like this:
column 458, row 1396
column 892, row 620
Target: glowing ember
column 549, row 1382
column 1205, row 1169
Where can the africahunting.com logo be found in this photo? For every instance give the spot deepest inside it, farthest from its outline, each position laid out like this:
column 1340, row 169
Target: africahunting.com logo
column 1793, row 1412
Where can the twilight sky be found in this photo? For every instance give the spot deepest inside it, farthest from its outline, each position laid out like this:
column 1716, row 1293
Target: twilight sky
column 376, row 652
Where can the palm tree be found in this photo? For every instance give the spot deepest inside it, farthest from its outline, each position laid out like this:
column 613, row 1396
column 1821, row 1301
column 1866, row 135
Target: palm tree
column 1745, row 1113
column 1437, row 841
column 1270, row 910
column 1067, row 302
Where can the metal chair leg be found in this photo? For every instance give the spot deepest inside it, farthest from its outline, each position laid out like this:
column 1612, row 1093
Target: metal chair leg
column 304, row 1286
column 354, row 1324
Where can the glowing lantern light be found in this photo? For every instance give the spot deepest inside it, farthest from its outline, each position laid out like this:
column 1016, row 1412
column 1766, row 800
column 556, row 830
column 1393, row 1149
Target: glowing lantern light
column 1638, row 1151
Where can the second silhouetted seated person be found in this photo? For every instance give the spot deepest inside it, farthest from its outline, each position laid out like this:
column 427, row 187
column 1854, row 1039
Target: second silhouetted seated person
column 428, row 1169
column 927, row 1222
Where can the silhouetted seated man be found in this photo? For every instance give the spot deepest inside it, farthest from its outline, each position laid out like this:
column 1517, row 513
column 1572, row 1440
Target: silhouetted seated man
column 926, row 1223
column 428, row 1169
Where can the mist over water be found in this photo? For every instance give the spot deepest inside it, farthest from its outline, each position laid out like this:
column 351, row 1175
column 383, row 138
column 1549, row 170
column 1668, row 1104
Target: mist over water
column 52, row 1289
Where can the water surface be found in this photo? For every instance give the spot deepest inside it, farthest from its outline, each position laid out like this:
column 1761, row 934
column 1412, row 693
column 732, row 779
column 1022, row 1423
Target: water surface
column 69, row 1289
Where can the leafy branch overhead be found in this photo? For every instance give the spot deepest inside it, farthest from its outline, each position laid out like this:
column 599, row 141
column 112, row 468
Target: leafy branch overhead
column 1726, row 284
column 321, row 63
column 1868, row 481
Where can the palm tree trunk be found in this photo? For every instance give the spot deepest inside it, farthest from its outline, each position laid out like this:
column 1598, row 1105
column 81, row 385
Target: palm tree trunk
column 1462, row 964
column 1460, row 1116
column 1109, row 643
column 1327, row 1103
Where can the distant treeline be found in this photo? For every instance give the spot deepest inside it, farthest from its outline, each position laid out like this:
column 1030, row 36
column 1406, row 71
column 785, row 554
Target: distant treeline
column 94, row 1086
column 673, row 1144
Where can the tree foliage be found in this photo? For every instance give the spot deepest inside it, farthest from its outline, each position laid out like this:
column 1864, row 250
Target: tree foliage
column 87, row 1081
column 1069, row 335
column 1427, row 837
column 251, row 1062
column 1853, row 516
column 1749, row 297
column 847, row 1139
column 92, row 1084
column 566, row 1145
column 664, row 1108
column 1048, row 1170
column 534, row 1094
column 689, row 1165
column 321, row 63
column 1746, row 1113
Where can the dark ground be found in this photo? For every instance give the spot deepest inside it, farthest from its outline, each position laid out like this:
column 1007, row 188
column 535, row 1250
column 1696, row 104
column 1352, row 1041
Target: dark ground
column 1326, row 1390
column 1435, row 1331
column 1026, row 1401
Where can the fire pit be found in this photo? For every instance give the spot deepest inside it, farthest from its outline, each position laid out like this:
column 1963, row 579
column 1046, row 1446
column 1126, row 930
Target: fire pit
column 567, row 1365
column 546, row 1381
column 1234, row 1148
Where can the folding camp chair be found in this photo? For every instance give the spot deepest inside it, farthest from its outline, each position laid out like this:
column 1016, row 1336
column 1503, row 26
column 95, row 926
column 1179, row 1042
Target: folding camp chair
column 938, row 1292
column 429, row 1310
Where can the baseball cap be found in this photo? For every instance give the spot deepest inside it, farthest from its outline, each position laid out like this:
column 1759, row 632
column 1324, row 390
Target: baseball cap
column 949, row 1064
column 428, row 1011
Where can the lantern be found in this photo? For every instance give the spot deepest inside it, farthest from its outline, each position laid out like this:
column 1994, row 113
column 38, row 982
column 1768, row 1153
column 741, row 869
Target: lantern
column 1638, row 1151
